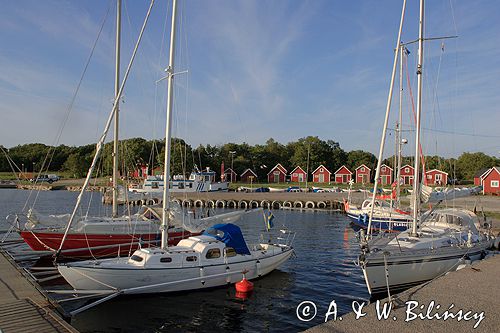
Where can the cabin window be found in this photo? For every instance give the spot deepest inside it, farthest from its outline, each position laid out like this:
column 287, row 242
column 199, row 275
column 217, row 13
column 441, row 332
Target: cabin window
column 407, row 170
column 213, row 253
column 166, row 259
column 180, row 185
column 191, row 258
column 136, row 258
column 230, row 252
column 494, row 183
column 429, row 176
column 154, row 185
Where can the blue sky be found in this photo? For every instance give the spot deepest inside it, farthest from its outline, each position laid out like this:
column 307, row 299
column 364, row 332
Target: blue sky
column 257, row 69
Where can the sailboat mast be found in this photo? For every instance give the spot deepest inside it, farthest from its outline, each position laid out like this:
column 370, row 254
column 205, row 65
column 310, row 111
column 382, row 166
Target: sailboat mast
column 386, row 121
column 168, row 132
column 416, row 177
column 397, row 170
column 117, row 89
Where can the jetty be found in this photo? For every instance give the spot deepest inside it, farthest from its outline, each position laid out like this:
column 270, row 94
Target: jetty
column 473, row 289
column 23, row 305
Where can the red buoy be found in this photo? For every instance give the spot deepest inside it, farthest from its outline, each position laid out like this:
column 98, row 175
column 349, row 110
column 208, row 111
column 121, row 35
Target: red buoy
column 244, row 286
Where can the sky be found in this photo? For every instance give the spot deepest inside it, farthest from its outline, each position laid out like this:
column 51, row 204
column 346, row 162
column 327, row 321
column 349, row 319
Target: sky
column 281, row 69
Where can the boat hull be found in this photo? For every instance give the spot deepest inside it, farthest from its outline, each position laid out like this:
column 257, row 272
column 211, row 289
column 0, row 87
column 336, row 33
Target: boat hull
column 134, row 280
column 390, row 224
column 96, row 245
column 407, row 270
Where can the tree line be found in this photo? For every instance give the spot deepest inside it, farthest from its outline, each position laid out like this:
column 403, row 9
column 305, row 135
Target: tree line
column 308, row 152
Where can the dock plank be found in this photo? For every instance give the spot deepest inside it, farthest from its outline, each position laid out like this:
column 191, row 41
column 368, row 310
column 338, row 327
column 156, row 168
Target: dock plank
column 23, row 307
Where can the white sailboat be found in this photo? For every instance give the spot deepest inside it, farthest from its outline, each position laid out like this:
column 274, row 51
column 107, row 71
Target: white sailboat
column 438, row 241
column 210, row 260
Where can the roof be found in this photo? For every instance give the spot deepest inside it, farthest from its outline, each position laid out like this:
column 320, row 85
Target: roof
column 407, row 165
column 297, row 167
column 446, row 173
column 362, row 165
column 341, row 168
column 481, row 172
column 386, row 166
column 321, row 166
column 497, row 169
column 248, row 170
column 280, row 167
column 229, row 170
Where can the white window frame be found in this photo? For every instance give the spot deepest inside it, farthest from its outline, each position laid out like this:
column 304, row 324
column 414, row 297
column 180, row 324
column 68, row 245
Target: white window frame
column 495, row 183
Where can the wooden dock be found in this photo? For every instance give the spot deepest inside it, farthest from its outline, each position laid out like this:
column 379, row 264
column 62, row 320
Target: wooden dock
column 23, row 307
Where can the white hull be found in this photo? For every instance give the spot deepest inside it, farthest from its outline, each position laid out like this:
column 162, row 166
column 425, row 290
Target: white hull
column 409, row 269
column 125, row 277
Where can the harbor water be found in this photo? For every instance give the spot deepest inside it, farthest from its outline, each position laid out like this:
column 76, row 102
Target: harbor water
column 322, row 271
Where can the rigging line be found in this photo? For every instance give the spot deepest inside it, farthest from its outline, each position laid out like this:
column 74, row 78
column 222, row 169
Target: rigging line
column 70, row 106
column 449, row 132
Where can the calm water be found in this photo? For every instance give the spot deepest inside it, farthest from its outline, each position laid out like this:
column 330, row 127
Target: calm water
column 322, row 271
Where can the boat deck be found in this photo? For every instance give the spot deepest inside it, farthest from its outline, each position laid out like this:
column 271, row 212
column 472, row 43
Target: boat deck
column 23, row 308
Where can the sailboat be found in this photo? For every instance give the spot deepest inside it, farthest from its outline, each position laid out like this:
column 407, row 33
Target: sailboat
column 438, row 241
column 99, row 236
column 218, row 257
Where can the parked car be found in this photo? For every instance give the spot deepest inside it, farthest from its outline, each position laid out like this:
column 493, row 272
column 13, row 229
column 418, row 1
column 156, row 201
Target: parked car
column 45, row 178
column 262, row 189
column 293, row 189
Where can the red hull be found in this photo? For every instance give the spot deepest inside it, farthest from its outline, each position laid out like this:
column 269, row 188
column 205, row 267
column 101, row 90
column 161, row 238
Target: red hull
column 100, row 245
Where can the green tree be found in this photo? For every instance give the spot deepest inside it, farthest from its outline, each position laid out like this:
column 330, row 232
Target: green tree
column 469, row 164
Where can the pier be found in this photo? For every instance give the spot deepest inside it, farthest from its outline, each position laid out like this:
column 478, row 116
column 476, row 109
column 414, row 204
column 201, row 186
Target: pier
column 23, row 307
column 241, row 200
column 473, row 288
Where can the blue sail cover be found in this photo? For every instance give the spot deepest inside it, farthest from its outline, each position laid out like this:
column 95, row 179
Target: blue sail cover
column 232, row 236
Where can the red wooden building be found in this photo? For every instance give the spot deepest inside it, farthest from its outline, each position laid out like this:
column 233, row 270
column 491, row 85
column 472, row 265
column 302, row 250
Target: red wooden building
column 363, row 174
column 385, row 177
column 277, row 174
column 436, row 177
column 321, row 175
column 407, row 174
column 343, row 175
column 479, row 176
column 491, row 181
column 230, row 175
column 248, row 176
column 298, row 175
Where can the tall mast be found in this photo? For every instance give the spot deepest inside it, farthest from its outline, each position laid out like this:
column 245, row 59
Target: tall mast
column 386, row 121
column 117, row 89
column 416, row 177
column 397, row 170
column 168, row 132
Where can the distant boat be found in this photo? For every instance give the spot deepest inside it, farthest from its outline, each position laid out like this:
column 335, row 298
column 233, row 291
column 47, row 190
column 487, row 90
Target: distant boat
column 198, row 181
